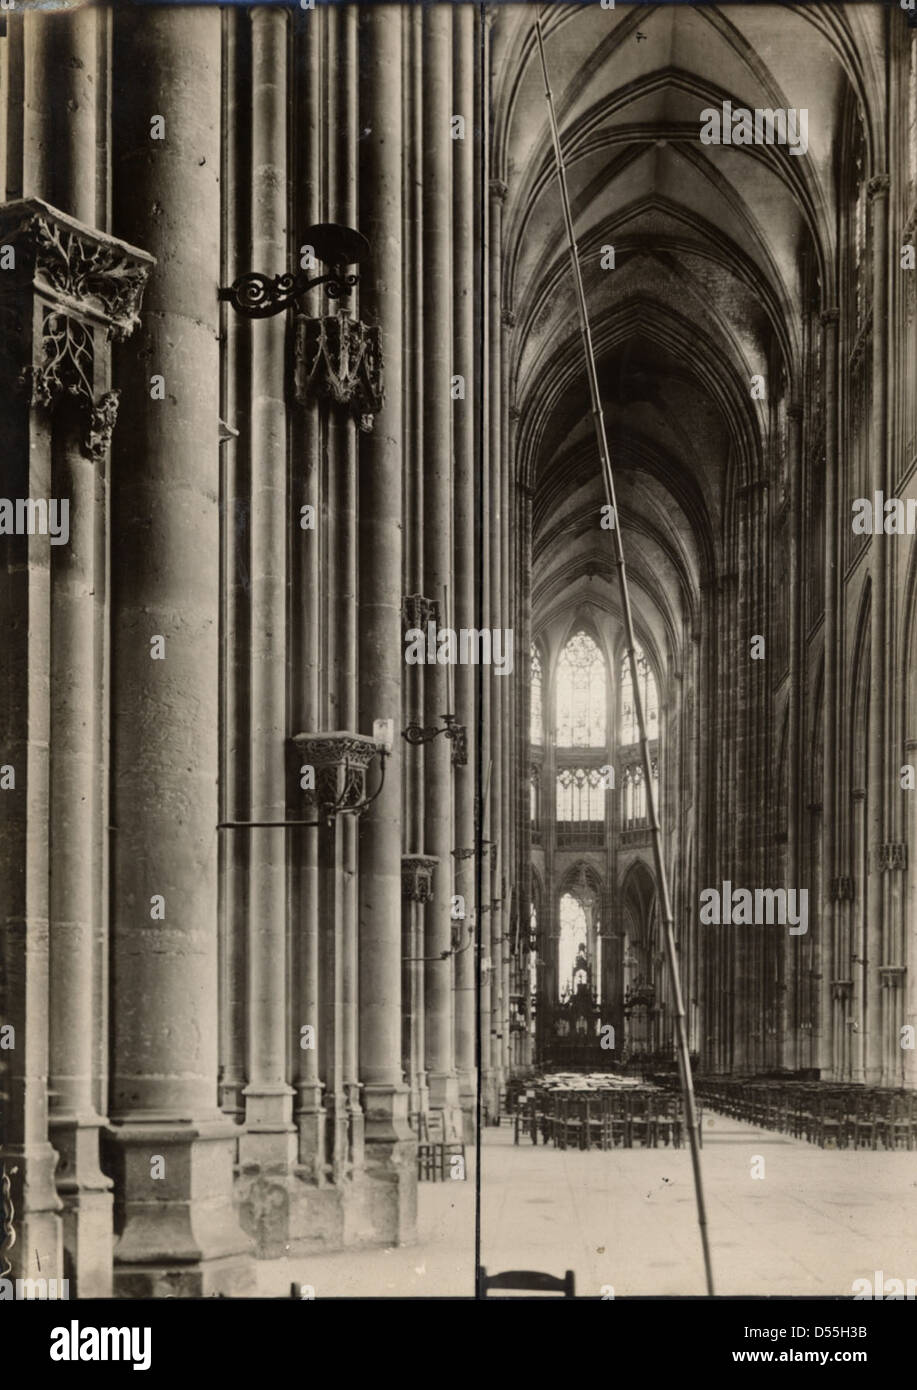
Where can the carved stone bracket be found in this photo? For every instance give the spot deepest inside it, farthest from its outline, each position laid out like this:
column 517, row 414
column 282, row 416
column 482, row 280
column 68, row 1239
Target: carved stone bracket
column 340, row 760
column 841, row 990
column 878, row 185
column 70, row 291
column 892, row 976
column 417, row 877
column 339, row 359
column 841, row 889
column 888, row 856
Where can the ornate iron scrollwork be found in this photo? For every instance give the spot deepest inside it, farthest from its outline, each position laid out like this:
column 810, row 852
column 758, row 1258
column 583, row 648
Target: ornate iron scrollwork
column 260, row 296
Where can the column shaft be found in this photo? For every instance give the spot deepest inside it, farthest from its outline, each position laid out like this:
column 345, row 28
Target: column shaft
column 178, row 1234
column 437, row 518
column 385, row 1097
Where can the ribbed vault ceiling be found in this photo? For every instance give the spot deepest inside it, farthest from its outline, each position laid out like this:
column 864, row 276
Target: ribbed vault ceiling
column 706, row 289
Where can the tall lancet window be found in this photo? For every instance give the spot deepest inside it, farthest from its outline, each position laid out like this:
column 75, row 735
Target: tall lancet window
column 630, row 733
column 536, row 730
column 580, row 694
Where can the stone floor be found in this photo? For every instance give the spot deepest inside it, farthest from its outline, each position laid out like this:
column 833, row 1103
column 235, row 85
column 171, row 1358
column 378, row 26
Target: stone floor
column 817, row 1220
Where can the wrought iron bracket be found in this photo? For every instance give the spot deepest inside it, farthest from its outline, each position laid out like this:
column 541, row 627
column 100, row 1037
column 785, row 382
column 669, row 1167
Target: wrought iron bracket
column 456, row 733
column 260, row 296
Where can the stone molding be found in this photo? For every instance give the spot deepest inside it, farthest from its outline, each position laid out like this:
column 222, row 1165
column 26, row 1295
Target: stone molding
column 339, row 359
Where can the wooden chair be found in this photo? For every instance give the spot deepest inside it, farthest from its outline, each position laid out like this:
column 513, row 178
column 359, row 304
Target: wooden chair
column 639, row 1119
column 615, row 1121
column 529, row 1280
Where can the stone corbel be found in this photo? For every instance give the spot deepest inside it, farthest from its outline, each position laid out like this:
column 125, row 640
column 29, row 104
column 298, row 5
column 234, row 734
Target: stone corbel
column 892, row 976
column 70, row 291
column 417, row 877
column 339, row 359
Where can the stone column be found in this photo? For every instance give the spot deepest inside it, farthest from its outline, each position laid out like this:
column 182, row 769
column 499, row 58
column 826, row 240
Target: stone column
column 792, row 952
column 881, row 779
column 833, row 814
column 61, row 82
column 308, row 638
column 417, row 888
column 437, row 518
column 268, row 1144
column 493, row 617
column 171, row 1150
column 71, row 292
column 465, row 423
column 390, row 1154
column 61, row 76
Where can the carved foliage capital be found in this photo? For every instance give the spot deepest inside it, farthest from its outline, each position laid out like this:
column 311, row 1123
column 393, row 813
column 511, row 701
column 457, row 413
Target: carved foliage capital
column 70, row 290
column 417, row 610
column 417, row 877
column 76, row 267
column 340, row 359
column 340, row 760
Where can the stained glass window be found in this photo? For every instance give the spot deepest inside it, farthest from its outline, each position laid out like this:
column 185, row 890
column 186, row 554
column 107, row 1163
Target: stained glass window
column 535, row 719
column 581, row 694
column 630, row 733
column 580, row 794
column 572, row 934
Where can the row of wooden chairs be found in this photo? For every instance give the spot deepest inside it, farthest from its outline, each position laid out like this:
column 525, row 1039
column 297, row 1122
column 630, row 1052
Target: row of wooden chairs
column 839, row 1115
column 439, row 1158
column 636, row 1118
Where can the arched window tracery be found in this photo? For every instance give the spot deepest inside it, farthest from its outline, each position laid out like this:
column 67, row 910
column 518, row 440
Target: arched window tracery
column 630, row 732
column 580, row 694
column 536, row 718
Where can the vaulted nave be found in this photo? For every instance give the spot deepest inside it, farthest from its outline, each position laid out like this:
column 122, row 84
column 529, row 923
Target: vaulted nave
column 326, row 858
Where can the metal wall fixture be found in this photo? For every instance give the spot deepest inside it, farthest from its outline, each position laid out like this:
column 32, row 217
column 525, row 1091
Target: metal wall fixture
column 455, row 732
column 260, row 296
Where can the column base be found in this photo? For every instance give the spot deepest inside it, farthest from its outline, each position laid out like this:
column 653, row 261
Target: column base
column 179, row 1235
column 468, row 1101
column 87, row 1197
column 39, row 1249
column 444, row 1096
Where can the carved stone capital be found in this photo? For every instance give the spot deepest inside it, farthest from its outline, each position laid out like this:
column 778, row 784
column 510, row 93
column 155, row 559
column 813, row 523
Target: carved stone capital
column 417, row 877
column 892, row 855
column 841, row 990
column 829, row 316
column 340, row 760
column 77, row 269
column 878, row 186
column 892, row 976
column 69, row 291
column 417, row 610
column 339, row 359
column 498, row 190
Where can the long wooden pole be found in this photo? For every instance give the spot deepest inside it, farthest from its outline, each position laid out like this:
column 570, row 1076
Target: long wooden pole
column 598, row 418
